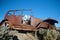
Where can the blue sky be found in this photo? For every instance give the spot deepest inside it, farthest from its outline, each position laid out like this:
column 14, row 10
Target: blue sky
column 42, row 9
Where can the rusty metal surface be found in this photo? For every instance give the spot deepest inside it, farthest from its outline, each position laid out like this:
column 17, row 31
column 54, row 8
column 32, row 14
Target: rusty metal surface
column 46, row 25
column 35, row 21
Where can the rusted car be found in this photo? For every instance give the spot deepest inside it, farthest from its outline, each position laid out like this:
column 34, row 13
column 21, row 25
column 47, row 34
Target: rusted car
column 26, row 22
